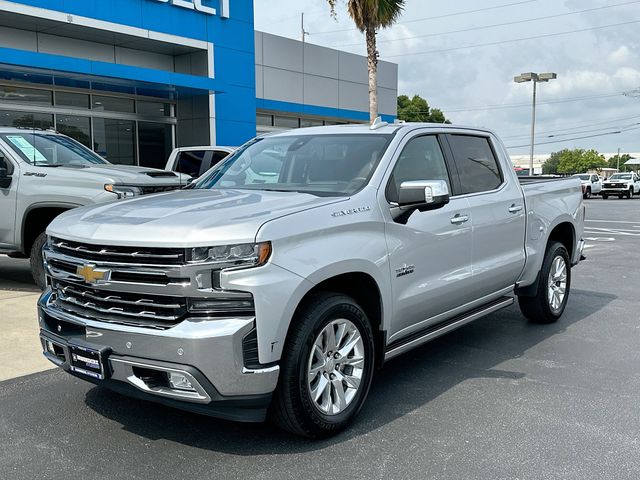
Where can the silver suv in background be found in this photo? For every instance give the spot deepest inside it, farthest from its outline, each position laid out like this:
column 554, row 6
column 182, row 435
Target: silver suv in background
column 281, row 279
column 43, row 174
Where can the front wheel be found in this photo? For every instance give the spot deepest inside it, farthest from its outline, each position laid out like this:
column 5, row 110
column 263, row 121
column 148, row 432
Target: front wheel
column 554, row 284
column 605, row 196
column 326, row 369
column 630, row 193
column 37, row 262
column 587, row 193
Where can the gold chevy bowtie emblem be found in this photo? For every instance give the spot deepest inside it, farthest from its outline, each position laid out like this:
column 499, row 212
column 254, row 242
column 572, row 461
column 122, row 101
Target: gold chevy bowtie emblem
column 91, row 274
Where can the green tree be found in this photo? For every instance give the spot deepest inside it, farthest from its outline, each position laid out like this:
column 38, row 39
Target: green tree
column 613, row 161
column 550, row 166
column 578, row 160
column 370, row 16
column 417, row 109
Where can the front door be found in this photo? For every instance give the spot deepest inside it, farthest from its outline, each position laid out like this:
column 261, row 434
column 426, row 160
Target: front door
column 430, row 255
column 8, row 198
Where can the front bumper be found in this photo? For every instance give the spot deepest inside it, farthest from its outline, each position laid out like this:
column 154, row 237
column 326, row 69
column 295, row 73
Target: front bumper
column 206, row 352
column 614, row 190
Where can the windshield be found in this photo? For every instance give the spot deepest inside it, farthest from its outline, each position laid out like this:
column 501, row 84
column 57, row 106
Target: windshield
column 323, row 165
column 45, row 150
column 621, row 176
column 583, row 177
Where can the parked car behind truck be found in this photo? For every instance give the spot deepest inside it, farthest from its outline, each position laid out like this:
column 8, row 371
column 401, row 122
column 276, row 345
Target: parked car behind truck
column 279, row 281
column 591, row 184
column 43, row 174
column 621, row 185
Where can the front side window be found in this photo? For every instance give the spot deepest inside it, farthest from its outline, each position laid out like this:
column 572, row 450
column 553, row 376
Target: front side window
column 50, row 150
column 323, row 165
column 190, row 162
column 477, row 165
column 421, row 159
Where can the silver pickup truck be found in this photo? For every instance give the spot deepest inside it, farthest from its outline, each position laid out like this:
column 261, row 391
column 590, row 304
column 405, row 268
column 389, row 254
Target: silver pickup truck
column 279, row 281
column 43, row 173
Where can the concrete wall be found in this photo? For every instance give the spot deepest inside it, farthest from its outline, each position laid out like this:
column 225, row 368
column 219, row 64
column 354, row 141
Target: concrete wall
column 290, row 71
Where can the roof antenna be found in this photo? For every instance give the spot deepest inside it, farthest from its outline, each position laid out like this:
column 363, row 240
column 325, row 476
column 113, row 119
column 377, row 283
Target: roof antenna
column 378, row 123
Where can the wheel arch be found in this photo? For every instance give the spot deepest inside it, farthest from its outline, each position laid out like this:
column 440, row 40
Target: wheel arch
column 36, row 218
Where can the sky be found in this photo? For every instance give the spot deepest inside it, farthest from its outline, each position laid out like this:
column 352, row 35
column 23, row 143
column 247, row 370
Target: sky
column 462, row 56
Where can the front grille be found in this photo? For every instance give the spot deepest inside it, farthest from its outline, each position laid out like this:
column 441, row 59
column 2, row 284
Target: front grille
column 117, row 254
column 123, row 308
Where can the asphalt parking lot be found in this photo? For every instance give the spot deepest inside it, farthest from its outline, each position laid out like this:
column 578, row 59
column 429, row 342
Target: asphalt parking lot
column 498, row 399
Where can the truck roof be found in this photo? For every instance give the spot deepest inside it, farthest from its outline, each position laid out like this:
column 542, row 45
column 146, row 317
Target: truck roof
column 365, row 128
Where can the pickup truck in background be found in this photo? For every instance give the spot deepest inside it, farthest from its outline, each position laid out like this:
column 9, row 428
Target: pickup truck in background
column 194, row 161
column 621, row 185
column 43, row 173
column 591, row 184
column 279, row 281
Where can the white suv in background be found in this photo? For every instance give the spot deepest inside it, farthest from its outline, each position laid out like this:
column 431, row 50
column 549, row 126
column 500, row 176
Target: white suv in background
column 591, row 184
column 194, row 161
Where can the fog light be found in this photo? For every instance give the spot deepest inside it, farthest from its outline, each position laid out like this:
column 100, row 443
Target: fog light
column 179, row 381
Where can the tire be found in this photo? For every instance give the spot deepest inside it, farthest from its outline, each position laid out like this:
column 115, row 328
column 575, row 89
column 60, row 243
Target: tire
column 587, row 193
column 605, row 196
column 545, row 306
column 37, row 262
column 630, row 193
column 294, row 407
column 621, row 196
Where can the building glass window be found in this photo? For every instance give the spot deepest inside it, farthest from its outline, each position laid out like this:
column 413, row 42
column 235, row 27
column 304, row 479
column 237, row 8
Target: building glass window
column 10, row 118
column 73, row 100
column 285, row 122
column 115, row 140
column 29, row 96
column 307, row 122
column 154, row 109
column 155, row 144
column 266, row 120
column 76, row 127
column 113, row 104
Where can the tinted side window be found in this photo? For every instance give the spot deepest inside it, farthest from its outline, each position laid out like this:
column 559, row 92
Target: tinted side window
column 477, row 165
column 421, row 159
column 190, row 162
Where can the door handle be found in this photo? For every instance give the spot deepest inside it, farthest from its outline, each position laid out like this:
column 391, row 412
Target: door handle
column 459, row 219
column 515, row 208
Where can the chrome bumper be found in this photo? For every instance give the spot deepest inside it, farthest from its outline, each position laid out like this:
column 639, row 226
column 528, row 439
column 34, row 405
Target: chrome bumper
column 208, row 352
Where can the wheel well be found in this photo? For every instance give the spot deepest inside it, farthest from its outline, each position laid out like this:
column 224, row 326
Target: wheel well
column 364, row 290
column 564, row 234
column 36, row 222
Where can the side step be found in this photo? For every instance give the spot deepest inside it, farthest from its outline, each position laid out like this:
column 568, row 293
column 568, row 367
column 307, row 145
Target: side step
column 407, row 343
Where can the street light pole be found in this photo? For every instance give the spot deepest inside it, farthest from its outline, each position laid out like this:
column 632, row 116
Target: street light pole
column 535, row 78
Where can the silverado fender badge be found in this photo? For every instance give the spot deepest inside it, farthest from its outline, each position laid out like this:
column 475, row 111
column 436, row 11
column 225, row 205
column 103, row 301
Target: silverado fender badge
column 351, row 211
column 405, row 270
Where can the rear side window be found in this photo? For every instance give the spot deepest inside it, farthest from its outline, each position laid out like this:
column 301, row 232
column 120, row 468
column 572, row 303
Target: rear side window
column 421, row 159
column 477, row 165
column 190, row 162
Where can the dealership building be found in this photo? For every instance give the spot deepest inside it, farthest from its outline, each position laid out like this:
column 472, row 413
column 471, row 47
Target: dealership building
column 133, row 79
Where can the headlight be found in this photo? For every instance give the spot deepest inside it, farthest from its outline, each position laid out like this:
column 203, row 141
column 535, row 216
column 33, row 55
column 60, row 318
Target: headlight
column 240, row 255
column 123, row 191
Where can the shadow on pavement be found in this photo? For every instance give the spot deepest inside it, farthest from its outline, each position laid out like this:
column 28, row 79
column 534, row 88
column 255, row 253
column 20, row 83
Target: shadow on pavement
column 15, row 275
column 400, row 387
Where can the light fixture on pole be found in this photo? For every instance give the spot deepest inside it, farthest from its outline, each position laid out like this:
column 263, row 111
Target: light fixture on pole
column 535, row 78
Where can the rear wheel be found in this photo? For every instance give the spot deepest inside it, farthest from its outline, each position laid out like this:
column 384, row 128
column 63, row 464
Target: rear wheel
column 327, row 368
column 37, row 262
column 554, row 283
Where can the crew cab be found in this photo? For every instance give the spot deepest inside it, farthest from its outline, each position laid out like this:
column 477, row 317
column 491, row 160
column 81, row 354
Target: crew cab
column 194, row 161
column 591, row 184
column 622, row 185
column 280, row 280
column 43, row 173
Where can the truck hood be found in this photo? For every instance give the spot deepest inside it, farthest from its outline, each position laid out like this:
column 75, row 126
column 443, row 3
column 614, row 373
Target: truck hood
column 121, row 174
column 188, row 218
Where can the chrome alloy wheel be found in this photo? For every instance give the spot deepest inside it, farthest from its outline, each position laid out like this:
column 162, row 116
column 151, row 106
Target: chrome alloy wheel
column 557, row 283
column 335, row 367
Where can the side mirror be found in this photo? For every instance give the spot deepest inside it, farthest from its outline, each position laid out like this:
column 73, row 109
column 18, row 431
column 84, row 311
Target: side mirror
column 5, row 178
column 421, row 195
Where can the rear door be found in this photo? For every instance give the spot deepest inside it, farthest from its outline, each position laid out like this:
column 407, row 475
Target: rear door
column 497, row 209
column 430, row 255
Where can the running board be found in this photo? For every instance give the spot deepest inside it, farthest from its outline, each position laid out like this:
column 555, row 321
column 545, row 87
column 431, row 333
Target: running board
column 405, row 344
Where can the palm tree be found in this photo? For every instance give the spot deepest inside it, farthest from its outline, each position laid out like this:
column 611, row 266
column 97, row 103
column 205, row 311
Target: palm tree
column 369, row 17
